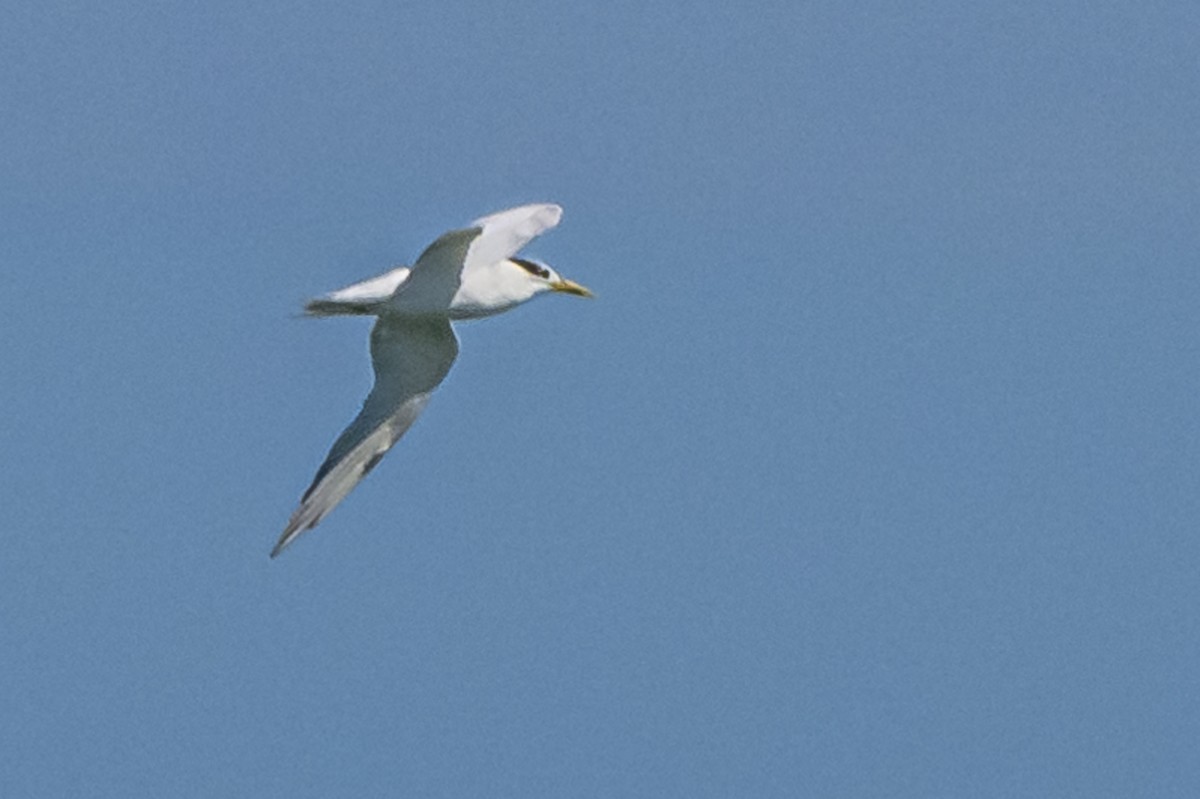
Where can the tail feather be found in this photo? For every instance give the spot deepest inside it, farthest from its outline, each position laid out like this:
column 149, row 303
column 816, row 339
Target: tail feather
column 323, row 306
column 364, row 298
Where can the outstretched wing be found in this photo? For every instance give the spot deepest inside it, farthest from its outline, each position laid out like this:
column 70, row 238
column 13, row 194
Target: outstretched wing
column 503, row 234
column 411, row 358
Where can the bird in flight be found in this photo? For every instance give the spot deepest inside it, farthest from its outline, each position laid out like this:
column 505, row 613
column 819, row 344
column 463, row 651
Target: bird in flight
column 466, row 274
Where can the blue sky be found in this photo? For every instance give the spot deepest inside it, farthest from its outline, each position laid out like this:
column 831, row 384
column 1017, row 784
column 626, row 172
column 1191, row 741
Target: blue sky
column 872, row 471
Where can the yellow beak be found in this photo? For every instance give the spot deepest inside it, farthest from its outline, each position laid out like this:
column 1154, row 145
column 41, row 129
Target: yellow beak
column 570, row 287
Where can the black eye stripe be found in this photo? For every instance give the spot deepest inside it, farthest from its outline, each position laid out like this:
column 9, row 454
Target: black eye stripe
column 532, row 268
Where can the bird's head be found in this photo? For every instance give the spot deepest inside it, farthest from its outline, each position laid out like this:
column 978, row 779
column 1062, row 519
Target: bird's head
column 543, row 278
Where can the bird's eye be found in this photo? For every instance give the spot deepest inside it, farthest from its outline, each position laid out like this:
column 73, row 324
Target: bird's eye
column 532, row 268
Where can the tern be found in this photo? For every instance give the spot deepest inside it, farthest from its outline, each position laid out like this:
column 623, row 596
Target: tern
column 465, row 274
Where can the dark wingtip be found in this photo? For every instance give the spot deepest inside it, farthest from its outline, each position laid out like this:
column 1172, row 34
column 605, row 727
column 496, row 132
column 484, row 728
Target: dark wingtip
column 288, row 536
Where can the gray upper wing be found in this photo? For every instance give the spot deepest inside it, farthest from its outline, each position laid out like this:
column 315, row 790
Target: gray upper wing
column 437, row 274
column 411, row 358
